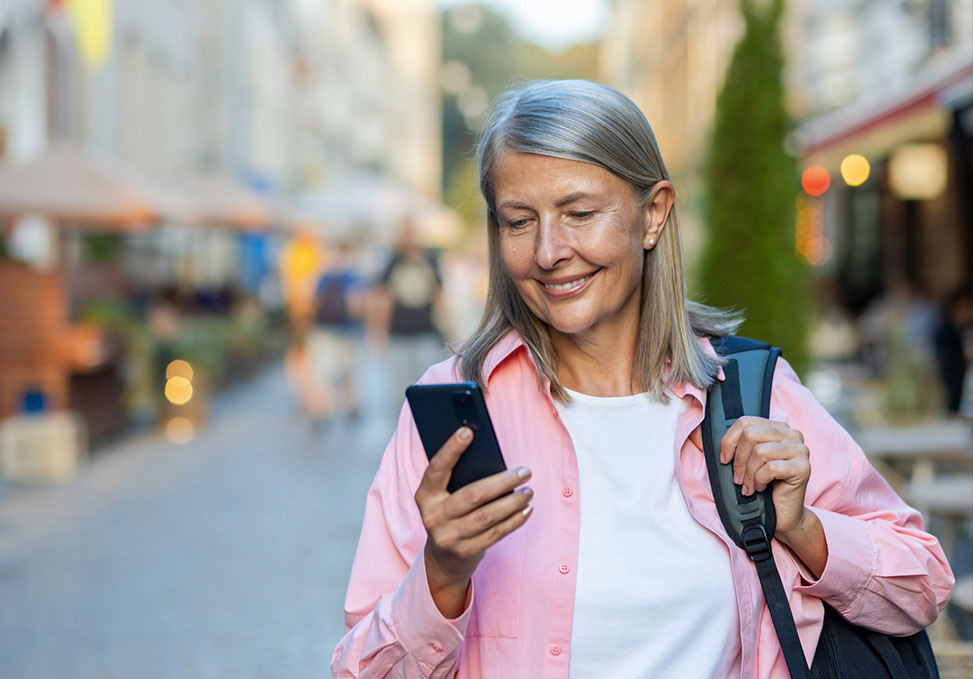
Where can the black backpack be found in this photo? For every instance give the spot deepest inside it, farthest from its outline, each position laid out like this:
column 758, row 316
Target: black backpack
column 844, row 650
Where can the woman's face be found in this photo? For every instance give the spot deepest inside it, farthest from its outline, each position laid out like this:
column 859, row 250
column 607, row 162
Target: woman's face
column 572, row 239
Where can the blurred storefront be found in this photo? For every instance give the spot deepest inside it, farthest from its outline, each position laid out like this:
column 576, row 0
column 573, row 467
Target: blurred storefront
column 909, row 219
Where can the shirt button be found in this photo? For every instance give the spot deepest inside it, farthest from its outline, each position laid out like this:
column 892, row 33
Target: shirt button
column 555, row 650
column 564, row 568
column 437, row 647
column 567, row 492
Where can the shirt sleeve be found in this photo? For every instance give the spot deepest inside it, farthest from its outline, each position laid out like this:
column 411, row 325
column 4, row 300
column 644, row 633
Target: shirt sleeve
column 393, row 627
column 884, row 571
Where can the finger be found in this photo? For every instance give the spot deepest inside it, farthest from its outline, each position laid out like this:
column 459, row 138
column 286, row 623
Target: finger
column 750, row 436
column 758, row 429
column 436, row 476
column 764, row 453
column 489, row 515
column 795, row 472
column 478, row 493
column 753, row 434
column 732, row 436
column 496, row 533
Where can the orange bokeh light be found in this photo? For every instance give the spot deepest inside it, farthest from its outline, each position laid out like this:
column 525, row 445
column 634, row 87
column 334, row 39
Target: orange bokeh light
column 815, row 180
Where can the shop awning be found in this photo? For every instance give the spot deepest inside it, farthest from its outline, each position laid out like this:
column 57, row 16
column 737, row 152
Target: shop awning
column 920, row 111
column 67, row 184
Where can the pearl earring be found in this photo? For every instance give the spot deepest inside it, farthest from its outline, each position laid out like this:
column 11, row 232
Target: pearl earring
column 651, row 242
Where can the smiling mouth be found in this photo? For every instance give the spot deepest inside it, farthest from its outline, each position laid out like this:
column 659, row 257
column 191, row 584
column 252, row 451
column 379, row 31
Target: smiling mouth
column 570, row 284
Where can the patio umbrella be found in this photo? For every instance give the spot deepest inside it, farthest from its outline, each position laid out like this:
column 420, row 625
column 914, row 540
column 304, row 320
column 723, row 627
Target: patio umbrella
column 371, row 206
column 216, row 199
column 67, row 184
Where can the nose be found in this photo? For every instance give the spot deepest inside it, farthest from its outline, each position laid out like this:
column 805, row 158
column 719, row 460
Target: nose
column 552, row 245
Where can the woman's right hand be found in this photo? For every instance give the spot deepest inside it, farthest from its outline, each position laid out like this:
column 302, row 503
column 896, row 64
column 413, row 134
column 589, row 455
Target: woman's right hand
column 461, row 525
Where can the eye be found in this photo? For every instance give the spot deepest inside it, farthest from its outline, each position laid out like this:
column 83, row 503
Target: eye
column 516, row 223
column 580, row 215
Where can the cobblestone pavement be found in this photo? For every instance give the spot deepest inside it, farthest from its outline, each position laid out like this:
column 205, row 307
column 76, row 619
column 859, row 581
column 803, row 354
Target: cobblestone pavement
column 226, row 557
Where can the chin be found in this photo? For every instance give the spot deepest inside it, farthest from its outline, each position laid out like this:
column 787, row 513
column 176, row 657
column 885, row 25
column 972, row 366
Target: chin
column 569, row 327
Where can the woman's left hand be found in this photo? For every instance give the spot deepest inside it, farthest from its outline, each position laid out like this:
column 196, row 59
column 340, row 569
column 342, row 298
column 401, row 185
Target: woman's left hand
column 765, row 450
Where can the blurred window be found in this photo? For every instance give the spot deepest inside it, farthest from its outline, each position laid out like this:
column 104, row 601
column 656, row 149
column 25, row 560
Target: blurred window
column 939, row 29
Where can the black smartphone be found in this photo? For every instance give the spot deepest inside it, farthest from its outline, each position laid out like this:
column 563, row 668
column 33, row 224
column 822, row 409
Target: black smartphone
column 439, row 410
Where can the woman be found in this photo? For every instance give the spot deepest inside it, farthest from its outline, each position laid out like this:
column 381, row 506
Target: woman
column 613, row 562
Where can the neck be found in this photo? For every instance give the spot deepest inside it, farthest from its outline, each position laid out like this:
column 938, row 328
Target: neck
column 597, row 365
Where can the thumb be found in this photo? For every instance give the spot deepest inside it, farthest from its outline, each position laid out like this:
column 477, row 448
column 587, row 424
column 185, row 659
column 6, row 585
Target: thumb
column 441, row 464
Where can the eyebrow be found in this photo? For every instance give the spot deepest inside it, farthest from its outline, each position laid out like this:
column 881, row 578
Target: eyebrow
column 566, row 200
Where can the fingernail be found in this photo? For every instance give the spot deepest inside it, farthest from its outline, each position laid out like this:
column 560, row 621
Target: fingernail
column 526, row 491
column 523, row 472
column 527, row 511
column 465, row 434
column 736, row 478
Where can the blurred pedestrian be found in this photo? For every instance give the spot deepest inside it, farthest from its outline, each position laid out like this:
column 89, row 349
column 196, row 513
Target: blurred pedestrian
column 948, row 339
column 335, row 338
column 410, row 309
column 896, row 331
column 595, row 367
column 299, row 266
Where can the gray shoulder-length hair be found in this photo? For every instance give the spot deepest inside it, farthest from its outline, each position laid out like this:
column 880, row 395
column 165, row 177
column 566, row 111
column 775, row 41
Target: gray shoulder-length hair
column 592, row 123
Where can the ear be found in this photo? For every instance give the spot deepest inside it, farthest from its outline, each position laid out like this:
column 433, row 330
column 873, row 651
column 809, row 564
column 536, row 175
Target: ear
column 656, row 211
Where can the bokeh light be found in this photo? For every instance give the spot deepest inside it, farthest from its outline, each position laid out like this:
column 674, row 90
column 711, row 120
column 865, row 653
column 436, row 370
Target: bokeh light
column 812, row 245
column 180, row 430
column 815, row 180
column 179, row 390
column 179, row 368
column 855, row 169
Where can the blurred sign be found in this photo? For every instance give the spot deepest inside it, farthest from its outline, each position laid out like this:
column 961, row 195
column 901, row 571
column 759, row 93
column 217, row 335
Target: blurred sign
column 92, row 29
column 918, row 171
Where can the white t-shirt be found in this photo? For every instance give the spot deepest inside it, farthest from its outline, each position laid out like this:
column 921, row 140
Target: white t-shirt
column 654, row 591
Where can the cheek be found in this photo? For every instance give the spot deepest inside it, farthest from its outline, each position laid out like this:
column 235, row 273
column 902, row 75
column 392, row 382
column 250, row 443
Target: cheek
column 515, row 257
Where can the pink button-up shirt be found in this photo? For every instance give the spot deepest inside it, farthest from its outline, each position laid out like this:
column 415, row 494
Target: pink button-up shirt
column 883, row 570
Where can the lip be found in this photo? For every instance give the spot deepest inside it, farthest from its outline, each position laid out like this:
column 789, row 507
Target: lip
column 585, row 281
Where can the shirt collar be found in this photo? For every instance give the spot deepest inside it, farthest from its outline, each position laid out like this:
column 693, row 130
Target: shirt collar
column 501, row 351
column 682, row 389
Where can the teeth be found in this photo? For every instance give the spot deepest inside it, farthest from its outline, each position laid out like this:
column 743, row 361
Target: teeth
column 569, row 285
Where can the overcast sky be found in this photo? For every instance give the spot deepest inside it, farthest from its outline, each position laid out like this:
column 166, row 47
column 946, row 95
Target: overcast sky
column 552, row 23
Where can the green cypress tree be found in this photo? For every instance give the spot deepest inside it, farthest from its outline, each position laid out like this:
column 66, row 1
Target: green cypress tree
column 749, row 261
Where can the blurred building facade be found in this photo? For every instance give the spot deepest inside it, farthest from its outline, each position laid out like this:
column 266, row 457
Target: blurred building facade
column 215, row 102
column 670, row 58
column 283, row 94
column 368, row 72
column 864, row 77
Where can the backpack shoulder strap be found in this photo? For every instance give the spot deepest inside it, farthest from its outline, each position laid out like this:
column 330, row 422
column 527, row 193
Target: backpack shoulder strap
column 750, row 521
column 749, row 372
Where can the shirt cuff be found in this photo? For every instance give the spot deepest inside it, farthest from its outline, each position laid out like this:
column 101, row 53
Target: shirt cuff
column 851, row 562
column 422, row 629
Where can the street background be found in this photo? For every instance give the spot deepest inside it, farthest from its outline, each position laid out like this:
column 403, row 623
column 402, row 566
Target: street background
column 233, row 231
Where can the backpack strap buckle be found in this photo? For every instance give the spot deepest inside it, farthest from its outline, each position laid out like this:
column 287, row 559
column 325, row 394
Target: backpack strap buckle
column 755, row 542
